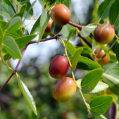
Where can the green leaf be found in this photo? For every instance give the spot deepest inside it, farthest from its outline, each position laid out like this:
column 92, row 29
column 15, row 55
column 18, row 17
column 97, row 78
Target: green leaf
column 112, row 82
column 14, row 24
column 3, row 25
column 90, row 80
column 76, row 58
column 43, row 17
column 111, row 64
column 22, row 11
column 29, row 10
column 43, row 28
column 32, row 115
column 27, row 95
column 22, row 41
column 114, row 13
column 86, row 50
column 99, row 87
column 112, row 56
column 38, row 29
column 55, row 29
column 86, row 64
column 117, row 51
column 103, row 10
column 65, row 31
column 41, row 2
column 1, row 36
column 6, row 11
column 25, row 32
column 114, row 72
column 8, row 2
column 71, row 49
column 86, row 30
column 67, row 3
column 100, row 104
column 6, row 57
column 72, row 34
column 12, row 48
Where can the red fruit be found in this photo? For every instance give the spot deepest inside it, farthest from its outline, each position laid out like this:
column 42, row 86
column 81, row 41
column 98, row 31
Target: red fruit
column 104, row 33
column 48, row 28
column 59, row 67
column 101, row 61
column 64, row 89
column 61, row 14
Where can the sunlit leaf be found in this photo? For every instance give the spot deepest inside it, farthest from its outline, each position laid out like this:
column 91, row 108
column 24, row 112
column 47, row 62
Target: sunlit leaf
column 27, row 95
column 90, row 80
column 14, row 24
column 12, row 48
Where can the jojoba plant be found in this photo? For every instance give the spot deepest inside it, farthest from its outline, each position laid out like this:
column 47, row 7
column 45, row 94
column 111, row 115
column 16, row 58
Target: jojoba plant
column 98, row 56
column 48, row 28
column 58, row 67
column 64, row 89
column 104, row 33
column 61, row 14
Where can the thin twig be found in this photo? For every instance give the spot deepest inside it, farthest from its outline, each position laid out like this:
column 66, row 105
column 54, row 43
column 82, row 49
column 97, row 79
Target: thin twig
column 85, row 40
column 75, row 25
column 16, row 68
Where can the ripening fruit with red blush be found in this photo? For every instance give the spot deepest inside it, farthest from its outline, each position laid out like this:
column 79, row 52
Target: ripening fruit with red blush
column 61, row 14
column 101, row 61
column 104, row 33
column 59, row 67
column 64, row 89
column 48, row 28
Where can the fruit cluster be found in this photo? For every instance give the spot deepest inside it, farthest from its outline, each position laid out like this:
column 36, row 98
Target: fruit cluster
column 66, row 87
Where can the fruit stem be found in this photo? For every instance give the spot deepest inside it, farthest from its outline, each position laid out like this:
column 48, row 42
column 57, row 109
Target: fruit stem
column 75, row 25
column 85, row 40
column 61, row 40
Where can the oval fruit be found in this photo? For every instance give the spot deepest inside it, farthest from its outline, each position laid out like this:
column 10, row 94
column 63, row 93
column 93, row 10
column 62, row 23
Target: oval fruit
column 61, row 14
column 48, row 28
column 64, row 89
column 104, row 33
column 101, row 61
column 58, row 67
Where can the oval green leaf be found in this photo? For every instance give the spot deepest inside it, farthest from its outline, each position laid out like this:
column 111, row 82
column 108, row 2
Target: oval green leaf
column 100, row 104
column 99, row 87
column 76, row 58
column 86, row 30
column 22, row 41
column 14, row 24
column 55, row 29
column 112, row 82
column 103, row 10
column 114, row 13
column 12, row 48
column 117, row 51
column 86, row 64
column 71, row 49
column 43, row 17
column 90, row 80
column 6, row 11
column 27, row 95
column 114, row 72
